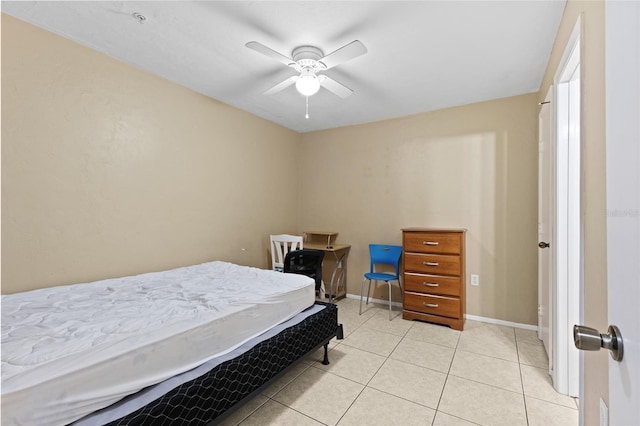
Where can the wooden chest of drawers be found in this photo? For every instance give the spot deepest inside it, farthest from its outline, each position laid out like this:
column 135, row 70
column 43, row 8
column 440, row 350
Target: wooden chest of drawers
column 434, row 275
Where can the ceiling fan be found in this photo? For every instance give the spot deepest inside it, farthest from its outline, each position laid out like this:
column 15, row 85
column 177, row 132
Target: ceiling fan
column 308, row 61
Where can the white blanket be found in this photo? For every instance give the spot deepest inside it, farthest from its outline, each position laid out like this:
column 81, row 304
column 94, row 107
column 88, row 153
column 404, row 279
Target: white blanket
column 68, row 351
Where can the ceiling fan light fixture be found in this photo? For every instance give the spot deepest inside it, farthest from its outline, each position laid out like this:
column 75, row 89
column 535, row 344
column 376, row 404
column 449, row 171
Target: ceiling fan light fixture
column 308, row 84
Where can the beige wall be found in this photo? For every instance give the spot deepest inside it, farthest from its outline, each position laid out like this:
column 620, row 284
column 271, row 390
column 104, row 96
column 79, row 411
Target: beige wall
column 593, row 181
column 472, row 167
column 108, row 170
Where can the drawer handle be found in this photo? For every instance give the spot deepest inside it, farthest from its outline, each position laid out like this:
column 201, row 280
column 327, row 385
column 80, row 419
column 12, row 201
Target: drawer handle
column 430, row 305
column 431, row 284
column 430, row 263
column 430, row 243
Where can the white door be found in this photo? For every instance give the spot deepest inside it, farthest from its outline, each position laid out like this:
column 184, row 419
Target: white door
column 545, row 325
column 623, row 203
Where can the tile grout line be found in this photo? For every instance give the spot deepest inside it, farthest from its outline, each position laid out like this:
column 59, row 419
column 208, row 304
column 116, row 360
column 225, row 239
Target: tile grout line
column 396, row 396
column 518, row 343
column 524, row 398
column 446, row 379
column 369, row 381
column 448, row 373
column 386, row 359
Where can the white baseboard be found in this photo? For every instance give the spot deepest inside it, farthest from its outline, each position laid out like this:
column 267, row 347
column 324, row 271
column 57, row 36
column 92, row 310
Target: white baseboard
column 502, row 322
column 467, row 316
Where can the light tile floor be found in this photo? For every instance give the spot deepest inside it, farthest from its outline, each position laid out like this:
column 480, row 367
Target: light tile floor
column 413, row 373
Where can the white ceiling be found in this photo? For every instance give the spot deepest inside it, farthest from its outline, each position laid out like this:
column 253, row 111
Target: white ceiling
column 422, row 55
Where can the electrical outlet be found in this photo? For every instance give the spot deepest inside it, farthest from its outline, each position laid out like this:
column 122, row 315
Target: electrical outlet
column 475, row 279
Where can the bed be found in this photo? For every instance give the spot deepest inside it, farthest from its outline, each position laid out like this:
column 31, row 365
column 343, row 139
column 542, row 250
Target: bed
column 180, row 346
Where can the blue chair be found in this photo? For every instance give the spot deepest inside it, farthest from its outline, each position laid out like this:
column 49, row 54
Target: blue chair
column 382, row 255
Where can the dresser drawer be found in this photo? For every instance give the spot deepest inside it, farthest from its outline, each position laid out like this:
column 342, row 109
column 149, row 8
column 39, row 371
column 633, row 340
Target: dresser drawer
column 434, row 284
column 433, row 242
column 432, row 264
column 434, row 305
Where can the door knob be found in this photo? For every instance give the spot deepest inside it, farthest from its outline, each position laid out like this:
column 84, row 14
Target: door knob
column 542, row 244
column 589, row 339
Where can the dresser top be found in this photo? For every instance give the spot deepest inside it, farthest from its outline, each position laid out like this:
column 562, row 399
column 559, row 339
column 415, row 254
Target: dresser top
column 418, row 229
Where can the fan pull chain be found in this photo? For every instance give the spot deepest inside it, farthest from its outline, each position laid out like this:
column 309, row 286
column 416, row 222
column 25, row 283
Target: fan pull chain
column 306, row 115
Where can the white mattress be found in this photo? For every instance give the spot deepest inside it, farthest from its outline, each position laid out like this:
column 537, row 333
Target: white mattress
column 68, row 351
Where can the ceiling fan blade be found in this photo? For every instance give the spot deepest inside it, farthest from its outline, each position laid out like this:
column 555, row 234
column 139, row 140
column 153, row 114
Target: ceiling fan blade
column 344, row 54
column 334, row 87
column 282, row 85
column 261, row 48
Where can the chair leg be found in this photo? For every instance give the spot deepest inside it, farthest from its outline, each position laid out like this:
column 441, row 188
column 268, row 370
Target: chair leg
column 361, row 290
column 369, row 291
column 389, row 285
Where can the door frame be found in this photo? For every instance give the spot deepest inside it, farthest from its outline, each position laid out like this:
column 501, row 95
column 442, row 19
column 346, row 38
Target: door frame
column 545, row 228
column 566, row 245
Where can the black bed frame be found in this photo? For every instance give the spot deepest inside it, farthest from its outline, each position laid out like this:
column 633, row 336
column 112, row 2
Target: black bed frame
column 212, row 397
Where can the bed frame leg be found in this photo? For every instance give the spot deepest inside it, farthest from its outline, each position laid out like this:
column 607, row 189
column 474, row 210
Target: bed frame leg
column 325, row 361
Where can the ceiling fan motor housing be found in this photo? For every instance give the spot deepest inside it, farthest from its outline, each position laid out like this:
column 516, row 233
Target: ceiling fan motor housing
column 307, row 57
